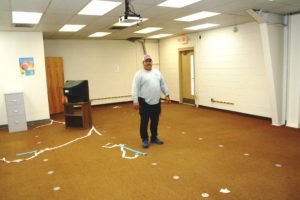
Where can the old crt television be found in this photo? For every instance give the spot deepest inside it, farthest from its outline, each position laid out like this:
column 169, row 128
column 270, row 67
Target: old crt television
column 77, row 91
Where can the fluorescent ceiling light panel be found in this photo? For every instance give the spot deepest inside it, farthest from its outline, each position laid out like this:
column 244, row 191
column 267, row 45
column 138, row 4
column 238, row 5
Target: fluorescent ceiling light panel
column 26, row 17
column 99, row 8
column 99, row 34
column 129, row 24
column 197, row 16
column 160, row 36
column 177, row 3
column 202, row 26
column 71, row 28
column 148, row 30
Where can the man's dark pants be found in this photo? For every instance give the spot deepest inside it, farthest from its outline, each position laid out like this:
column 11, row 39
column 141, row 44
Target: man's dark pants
column 147, row 112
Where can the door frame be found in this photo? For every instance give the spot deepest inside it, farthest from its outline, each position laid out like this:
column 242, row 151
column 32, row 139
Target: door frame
column 180, row 50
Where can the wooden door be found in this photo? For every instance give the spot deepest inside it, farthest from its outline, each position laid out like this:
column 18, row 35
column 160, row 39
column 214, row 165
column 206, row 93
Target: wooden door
column 55, row 83
column 187, row 77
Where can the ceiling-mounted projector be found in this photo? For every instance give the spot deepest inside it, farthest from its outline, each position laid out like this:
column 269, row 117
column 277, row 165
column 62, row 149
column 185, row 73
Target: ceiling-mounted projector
column 130, row 19
column 130, row 16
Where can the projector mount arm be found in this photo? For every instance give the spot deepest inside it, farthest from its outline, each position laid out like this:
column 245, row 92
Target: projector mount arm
column 129, row 9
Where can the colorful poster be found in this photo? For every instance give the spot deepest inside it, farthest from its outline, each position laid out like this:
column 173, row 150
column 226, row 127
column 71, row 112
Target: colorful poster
column 27, row 66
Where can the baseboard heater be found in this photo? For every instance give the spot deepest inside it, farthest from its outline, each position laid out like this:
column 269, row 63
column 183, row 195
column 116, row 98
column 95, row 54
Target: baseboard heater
column 107, row 98
column 223, row 102
column 119, row 97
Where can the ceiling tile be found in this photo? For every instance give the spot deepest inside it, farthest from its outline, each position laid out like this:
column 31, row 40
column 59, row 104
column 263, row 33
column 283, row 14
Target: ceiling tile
column 120, row 10
column 82, row 19
column 48, row 28
column 29, row 5
column 66, row 6
column 147, row 2
column 55, row 19
column 60, row 12
column 5, row 18
column 4, row 5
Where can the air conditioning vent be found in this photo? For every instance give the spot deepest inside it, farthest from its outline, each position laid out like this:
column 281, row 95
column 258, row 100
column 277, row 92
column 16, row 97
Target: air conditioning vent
column 118, row 27
column 24, row 25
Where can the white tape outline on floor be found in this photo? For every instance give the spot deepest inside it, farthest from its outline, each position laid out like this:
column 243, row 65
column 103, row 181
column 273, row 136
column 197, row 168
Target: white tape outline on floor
column 53, row 148
column 122, row 149
column 50, row 123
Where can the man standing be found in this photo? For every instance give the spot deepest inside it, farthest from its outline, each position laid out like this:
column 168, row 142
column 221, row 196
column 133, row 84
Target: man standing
column 147, row 86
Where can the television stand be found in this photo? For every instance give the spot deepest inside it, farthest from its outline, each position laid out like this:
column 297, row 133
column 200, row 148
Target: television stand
column 78, row 115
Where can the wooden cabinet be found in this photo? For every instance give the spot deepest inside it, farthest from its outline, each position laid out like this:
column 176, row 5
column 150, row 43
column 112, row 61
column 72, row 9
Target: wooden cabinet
column 78, row 115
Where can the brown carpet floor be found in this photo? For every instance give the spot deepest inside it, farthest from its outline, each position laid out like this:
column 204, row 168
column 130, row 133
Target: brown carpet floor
column 86, row 170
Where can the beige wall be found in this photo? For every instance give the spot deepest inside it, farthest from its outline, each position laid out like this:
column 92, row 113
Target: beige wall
column 109, row 65
column 229, row 67
column 14, row 45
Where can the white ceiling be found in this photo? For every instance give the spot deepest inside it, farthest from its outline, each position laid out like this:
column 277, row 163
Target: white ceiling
column 57, row 13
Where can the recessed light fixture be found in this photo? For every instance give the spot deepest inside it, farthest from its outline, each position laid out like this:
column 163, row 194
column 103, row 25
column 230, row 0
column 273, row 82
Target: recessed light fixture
column 197, row 16
column 129, row 24
column 99, row 34
column 160, row 36
column 71, row 28
column 177, row 3
column 99, row 8
column 148, row 30
column 202, row 26
column 26, row 17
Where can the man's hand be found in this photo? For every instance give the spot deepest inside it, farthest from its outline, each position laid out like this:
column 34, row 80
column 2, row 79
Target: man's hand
column 136, row 106
column 168, row 100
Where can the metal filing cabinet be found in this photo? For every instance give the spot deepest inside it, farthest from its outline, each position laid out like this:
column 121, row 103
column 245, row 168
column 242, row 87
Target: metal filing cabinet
column 15, row 110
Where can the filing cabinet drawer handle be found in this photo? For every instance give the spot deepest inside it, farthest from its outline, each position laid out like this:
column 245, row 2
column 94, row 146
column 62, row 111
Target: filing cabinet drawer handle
column 16, row 121
column 16, row 111
column 14, row 100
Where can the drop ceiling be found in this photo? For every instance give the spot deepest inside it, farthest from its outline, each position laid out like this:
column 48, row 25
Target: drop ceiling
column 57, row 13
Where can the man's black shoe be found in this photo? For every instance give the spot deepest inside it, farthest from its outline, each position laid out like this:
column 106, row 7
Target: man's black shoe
column 157, row 141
